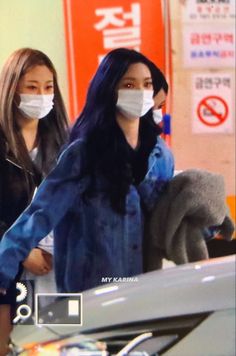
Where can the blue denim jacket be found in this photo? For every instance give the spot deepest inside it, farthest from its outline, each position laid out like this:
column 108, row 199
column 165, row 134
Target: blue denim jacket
column 91, row 241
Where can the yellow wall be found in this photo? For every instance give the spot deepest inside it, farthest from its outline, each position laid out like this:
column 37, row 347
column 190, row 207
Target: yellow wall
column 38, row 24
column 215, row 152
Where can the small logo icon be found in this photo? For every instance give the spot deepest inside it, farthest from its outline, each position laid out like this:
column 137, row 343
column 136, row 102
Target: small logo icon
column 23, row 292
column 23, row 309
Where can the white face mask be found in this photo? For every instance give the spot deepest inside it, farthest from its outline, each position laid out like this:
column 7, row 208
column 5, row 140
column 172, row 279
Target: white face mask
column 36, row 106
column 157, row 115
column 134, row 103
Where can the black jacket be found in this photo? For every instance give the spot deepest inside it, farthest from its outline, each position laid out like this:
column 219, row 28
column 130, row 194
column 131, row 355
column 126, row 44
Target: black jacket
column 17, row 187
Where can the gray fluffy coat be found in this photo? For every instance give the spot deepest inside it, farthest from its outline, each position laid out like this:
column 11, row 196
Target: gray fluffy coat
column 193, row 200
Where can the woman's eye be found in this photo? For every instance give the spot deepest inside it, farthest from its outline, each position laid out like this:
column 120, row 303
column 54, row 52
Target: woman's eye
column 49, row 87
column 148, row 85
column 128, row 85
column 31, row 87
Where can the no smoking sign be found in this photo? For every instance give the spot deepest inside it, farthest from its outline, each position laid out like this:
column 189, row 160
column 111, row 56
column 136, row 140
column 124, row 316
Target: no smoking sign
column 212, row 110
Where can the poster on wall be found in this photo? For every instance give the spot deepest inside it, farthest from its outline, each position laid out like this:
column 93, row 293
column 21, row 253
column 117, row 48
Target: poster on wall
column 208, row 10
column 209, row 46
column 92, row 31
column 212, row 110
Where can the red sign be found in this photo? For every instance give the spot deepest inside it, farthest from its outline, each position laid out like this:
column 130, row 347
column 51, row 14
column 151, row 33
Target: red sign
column 212, row 110
column 95, row 27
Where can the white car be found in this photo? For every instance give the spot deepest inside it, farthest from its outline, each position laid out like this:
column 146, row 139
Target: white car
column 186, row 310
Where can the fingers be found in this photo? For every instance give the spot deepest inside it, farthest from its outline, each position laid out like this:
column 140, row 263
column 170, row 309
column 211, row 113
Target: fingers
column 46, row 269
column 3, row 291
column 46, row 265
column 41, row 271
column 48, row 259
column 38, row 263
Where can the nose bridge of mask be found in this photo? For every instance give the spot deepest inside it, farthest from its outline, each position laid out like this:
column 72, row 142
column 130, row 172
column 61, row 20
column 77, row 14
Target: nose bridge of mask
column 33, row 99
column 130, row 95
column 135, row 96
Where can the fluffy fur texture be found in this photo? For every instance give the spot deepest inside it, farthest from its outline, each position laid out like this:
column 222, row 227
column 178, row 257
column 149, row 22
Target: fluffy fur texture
column 193, row 200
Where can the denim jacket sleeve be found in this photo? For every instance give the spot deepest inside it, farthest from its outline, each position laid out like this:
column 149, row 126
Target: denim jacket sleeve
column 160, row 171
column 54, row 197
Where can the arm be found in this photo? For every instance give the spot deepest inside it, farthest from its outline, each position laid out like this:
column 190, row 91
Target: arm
column 54, row 197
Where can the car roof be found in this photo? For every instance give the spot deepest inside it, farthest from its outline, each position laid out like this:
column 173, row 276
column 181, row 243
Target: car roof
column 188, row 289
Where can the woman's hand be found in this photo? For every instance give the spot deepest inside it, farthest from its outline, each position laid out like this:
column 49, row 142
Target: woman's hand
column 3, row 291
column 38, row 262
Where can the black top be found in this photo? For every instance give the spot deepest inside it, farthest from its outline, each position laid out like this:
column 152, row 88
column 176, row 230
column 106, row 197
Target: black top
column 138, row 158
column 17, row 186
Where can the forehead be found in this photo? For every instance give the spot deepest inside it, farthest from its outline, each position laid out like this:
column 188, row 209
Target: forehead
column 38, row 72
column 137, row 70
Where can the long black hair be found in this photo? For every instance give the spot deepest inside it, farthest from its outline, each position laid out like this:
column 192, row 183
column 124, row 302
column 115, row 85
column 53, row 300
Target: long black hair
column 106, row 144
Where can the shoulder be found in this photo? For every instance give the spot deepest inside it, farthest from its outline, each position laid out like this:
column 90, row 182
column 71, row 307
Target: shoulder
column 73, row 158
column 73, row 150
column 161, row 148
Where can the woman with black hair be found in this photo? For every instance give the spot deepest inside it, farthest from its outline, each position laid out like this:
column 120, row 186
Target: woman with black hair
column 113, row 171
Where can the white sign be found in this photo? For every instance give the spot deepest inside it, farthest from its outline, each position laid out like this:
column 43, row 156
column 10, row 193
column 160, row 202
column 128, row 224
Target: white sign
column 212, row 103
column 209, row 45
column 208, row 10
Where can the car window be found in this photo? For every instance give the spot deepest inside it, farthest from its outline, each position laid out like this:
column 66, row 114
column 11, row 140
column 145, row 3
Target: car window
column 215, row 336
column 163, row 334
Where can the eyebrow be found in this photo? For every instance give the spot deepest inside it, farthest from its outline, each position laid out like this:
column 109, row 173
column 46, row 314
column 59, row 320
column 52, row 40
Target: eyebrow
column 36, row 81
column 132, row 78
